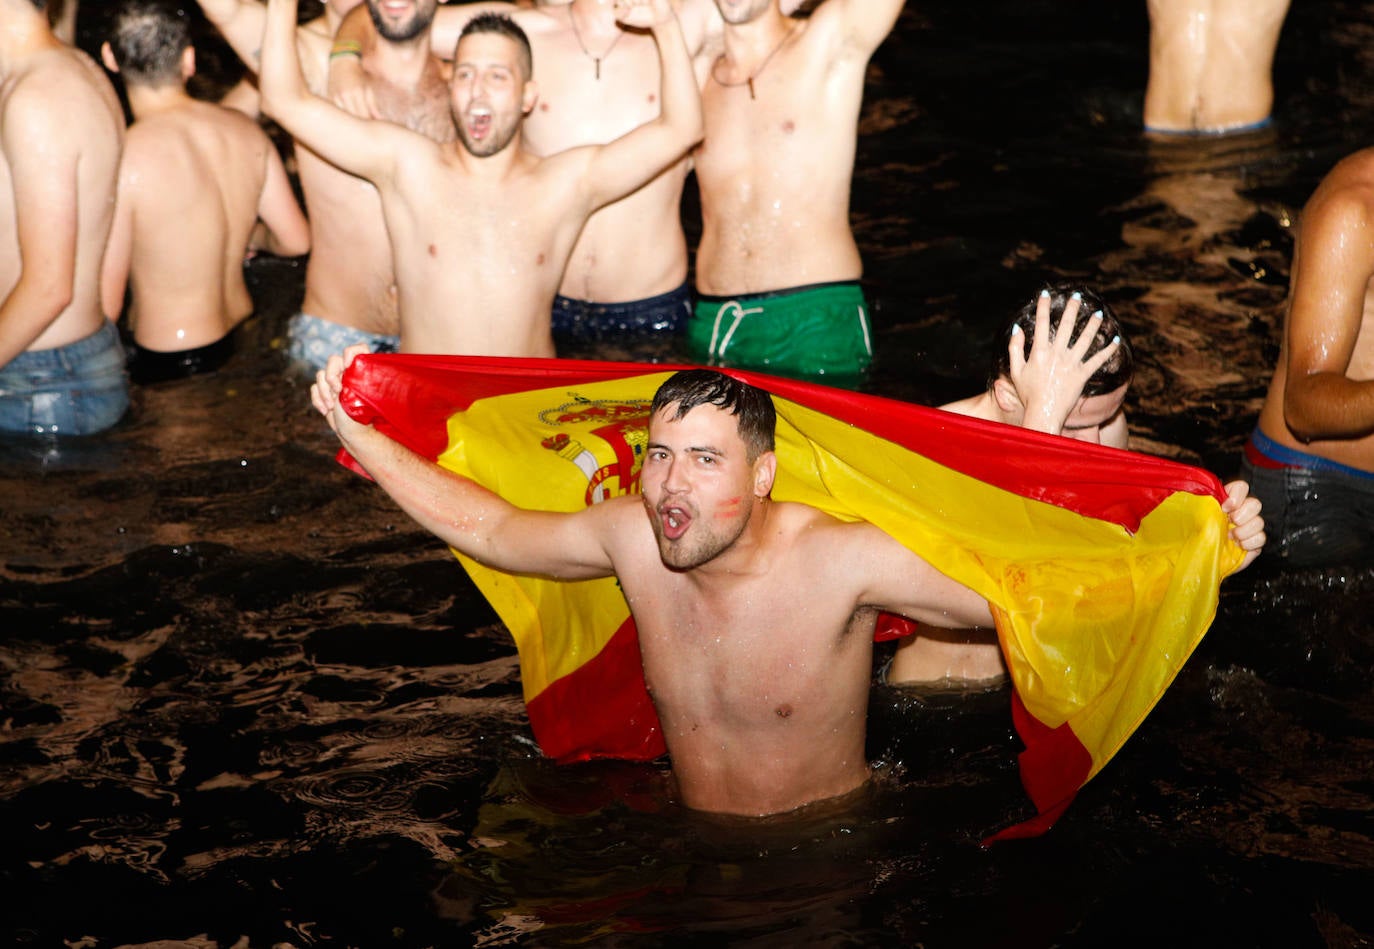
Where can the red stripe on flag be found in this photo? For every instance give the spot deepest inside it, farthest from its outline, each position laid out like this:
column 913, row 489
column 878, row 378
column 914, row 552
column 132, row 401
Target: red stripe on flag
column 610, row 723
column 1053, row 767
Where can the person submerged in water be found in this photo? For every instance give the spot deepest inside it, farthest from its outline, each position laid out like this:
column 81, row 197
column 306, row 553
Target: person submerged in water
column 701, row 551
column 1211, row 65
column 212, row 170
column 1063, row 368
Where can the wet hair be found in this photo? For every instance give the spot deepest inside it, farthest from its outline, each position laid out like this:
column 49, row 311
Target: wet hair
column 503, row 25
column 147, row 39
column 1114, row 374
column 752, row 407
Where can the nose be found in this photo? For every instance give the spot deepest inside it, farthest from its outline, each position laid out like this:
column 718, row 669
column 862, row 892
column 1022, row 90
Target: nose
column 674, row 479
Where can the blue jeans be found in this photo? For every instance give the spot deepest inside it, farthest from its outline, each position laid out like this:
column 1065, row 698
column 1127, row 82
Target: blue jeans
column 75, row 389
column 1316, row 512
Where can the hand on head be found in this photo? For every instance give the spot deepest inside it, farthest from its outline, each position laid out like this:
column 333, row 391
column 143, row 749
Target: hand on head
column 1049, row 381
column 1247, row 527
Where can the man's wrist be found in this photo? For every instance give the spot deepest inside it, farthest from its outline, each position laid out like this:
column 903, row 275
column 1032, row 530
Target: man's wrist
column 346, row 48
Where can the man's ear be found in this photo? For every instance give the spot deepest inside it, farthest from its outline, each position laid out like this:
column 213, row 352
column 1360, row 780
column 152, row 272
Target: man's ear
column 188, row 63
column 107, row 57
column 765, row 471
column 1004, row 394
column 530, row 97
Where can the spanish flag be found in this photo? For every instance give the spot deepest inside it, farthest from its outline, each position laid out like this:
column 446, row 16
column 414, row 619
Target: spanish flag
column 1102, row 566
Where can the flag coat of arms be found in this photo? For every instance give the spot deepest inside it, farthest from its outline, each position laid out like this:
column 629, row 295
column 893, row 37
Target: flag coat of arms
column 1101, row 566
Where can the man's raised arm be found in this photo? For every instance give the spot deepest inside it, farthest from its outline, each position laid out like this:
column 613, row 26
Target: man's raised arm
column 241, row 24
column 465, row 515
column 361, row 147
column 637, row 157
column 862, row 25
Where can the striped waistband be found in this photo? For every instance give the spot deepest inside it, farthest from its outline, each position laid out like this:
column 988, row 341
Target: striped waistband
column 1263, row 452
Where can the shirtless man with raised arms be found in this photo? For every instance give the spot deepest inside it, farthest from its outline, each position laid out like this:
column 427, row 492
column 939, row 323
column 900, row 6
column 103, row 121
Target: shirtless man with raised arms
column 627, row 275
column 212, row 171
column 777, row 270
column 1311, row 457
column 61, row 131
column 350, row 281
column 728, row 589
column 482, row 229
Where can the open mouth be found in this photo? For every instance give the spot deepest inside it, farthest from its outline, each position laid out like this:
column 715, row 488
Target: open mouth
column 479, row 122
column 675, row 522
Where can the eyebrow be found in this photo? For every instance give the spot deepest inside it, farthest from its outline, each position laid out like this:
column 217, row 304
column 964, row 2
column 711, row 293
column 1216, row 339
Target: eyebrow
column 699, row 449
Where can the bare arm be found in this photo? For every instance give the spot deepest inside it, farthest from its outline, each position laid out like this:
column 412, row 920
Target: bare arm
column 637, row 157
column 862, row 24
column 287, row 230
column 43, row 163
column 1335, row 262
column 462, row 513
column 361, row 147
column 896, row 580
column 241, row 23
column 119, row 249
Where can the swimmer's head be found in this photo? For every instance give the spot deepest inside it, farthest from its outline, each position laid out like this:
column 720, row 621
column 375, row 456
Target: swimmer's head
column 751, row 406
column 501, row 25
column 1114, row 374
column 412, row 26
column 150, row 43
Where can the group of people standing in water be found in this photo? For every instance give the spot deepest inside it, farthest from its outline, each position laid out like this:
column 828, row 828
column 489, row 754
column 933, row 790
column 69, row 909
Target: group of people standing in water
column 494, row 178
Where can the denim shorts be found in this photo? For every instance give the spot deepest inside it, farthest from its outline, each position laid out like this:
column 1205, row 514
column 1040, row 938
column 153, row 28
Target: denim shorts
column 312, row 340
column 75, row 389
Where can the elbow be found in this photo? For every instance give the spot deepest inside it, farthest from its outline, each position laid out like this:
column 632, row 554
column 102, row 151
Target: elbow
column 1301, row 423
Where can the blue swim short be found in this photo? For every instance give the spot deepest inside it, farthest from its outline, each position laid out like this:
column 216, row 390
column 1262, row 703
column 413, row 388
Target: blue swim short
column 77, row 389
column 312, row 340
column 583, row 321
column 1316, row 512
column 819, row 330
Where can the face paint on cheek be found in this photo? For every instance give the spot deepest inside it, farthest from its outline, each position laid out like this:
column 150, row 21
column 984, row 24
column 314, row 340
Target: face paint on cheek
column 729, row 509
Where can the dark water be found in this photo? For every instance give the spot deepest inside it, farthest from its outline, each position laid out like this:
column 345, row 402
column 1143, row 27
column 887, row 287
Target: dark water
column 245, row 703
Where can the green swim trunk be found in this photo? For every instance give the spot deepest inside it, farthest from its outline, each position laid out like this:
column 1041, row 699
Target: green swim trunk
column 817, row 330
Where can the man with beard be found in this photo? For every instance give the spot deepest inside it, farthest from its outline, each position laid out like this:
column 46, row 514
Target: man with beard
column 755, row 617
column 777, row 269
column 626, row 280
column 482, row 229
column 61, row 131
column 350, row 280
